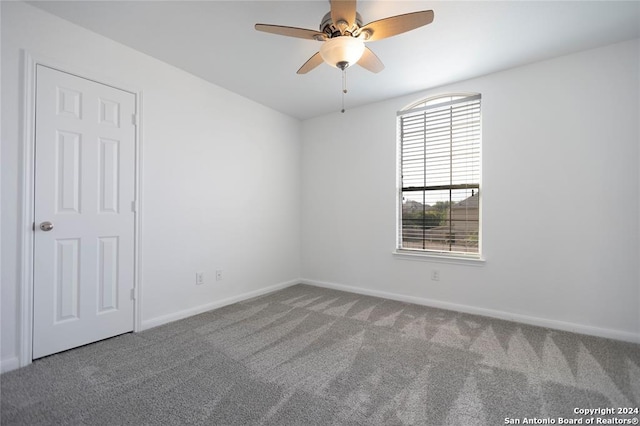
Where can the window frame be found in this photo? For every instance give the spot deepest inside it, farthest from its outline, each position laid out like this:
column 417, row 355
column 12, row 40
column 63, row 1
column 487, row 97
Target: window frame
column 447, row 256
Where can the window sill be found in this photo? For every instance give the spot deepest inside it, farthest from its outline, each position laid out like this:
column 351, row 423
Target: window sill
column 435, row 257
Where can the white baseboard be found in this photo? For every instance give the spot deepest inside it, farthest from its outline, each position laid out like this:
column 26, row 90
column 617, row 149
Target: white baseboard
column 525, row 319
column 8, row 364
column 175, row 316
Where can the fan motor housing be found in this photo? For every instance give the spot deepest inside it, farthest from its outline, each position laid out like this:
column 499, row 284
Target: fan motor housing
column 330, row 28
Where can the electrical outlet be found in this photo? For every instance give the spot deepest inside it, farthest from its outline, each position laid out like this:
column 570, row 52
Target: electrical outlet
column 199, row 278
column 218, row 274
column 435, row 275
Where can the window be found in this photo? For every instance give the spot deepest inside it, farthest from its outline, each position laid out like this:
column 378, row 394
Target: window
column 439, row 191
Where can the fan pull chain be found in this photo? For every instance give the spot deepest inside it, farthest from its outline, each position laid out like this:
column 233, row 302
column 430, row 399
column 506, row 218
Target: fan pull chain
column 344, row 87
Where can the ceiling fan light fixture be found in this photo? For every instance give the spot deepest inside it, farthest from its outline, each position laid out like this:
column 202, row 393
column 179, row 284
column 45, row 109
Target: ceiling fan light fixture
column 343, row 51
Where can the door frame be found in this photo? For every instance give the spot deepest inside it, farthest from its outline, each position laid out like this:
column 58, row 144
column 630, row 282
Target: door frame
column 27, row 192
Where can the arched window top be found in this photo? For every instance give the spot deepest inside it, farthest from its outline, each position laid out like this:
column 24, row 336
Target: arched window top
column 438, row 99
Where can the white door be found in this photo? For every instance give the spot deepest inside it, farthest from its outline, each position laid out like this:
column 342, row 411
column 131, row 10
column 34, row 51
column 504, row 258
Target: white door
column 84, row 220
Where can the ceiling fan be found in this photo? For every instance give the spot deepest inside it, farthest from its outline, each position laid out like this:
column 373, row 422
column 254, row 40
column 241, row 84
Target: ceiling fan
column 343, row 35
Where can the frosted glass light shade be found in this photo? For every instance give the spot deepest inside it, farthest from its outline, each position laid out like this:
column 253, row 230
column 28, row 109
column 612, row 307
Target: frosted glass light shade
column 342, row 50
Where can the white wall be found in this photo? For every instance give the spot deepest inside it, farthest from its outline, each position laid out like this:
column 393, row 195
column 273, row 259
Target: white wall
column 220, row 177
column 560, row 198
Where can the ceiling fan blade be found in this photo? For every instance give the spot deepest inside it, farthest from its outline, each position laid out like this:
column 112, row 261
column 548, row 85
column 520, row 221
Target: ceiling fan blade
column 395, row 25
column 291, row 31
column 370, row 61
column 343, row 10
column 313, row 62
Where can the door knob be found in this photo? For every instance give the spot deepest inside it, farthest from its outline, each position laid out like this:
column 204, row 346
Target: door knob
column 46, row 226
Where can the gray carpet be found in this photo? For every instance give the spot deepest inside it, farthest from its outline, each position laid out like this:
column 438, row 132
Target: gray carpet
column 306, row 355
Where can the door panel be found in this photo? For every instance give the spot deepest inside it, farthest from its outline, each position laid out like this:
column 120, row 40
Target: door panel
column 84, row 186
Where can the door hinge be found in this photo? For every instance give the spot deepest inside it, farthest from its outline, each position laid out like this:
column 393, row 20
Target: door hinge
column 134, row 207
column 133, row 294
column 134, row 119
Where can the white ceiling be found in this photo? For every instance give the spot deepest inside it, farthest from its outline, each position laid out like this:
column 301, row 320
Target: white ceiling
column 216, row 41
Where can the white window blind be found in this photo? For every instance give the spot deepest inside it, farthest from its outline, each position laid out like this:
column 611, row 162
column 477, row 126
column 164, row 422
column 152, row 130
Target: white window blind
column 440, row 175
